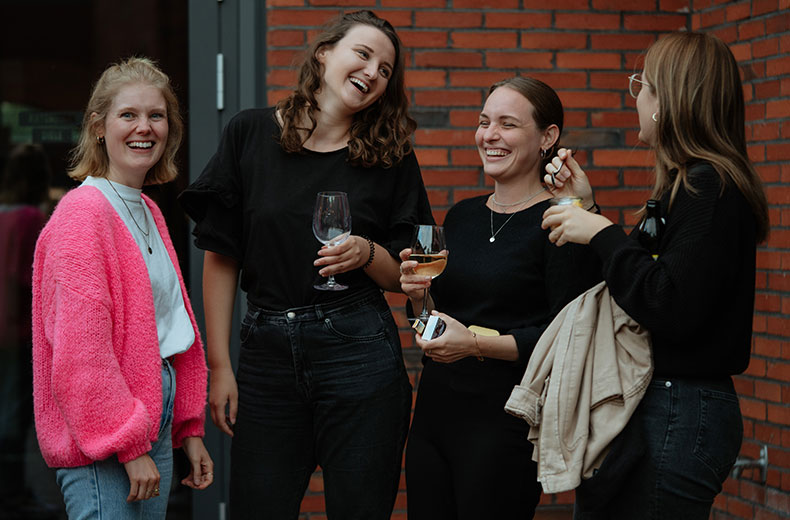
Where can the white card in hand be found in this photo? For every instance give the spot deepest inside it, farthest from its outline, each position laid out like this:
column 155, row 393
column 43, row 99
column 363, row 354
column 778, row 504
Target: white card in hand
column 427, row 334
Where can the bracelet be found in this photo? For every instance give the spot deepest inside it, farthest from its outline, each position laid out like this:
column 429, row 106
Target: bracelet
column 479, row 354
column 595, row 208
column 372, row 252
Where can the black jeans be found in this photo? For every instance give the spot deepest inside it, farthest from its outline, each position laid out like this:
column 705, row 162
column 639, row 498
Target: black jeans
column 468, row 459
column 320, row 385
column 693, row 431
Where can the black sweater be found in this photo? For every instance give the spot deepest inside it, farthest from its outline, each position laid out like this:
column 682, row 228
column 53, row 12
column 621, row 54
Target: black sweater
column 697, row 298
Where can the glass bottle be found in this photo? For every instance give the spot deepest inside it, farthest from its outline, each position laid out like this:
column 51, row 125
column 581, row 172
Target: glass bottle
column 651, row 227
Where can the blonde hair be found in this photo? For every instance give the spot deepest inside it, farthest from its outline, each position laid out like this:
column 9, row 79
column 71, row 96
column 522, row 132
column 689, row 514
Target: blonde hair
column 380, row 134
column 89, row 157
column 701, row 117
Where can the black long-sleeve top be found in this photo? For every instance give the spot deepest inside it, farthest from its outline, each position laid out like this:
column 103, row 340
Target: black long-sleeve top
column 697, row 298
column 515, row 285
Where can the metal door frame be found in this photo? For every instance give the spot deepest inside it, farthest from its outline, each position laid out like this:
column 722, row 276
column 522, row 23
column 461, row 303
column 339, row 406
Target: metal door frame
column 227, row 64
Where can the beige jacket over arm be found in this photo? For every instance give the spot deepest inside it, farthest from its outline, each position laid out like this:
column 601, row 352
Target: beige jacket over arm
column 587, row 374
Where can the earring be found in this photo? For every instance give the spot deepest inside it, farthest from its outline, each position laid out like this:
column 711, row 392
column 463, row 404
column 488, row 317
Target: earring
column 543, row 153
column 655, row 117
column 100, row 139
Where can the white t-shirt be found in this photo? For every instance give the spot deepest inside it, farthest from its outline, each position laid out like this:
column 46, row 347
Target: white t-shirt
column 173, row 325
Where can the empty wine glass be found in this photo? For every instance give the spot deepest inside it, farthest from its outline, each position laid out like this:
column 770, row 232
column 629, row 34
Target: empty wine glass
column 429, row 250
column 331, row 226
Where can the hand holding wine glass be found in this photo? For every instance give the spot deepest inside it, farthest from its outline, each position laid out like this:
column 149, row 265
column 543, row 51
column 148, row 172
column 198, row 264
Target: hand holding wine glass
column 331, row 226
column 429, row 250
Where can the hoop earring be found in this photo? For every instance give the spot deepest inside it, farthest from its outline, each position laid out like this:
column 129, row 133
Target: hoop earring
column 544, row 153
column 655, row 117
column 100, row 139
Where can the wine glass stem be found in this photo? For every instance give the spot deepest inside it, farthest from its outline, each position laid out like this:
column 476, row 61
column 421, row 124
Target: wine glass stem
column 424, row 314
column 331, row 280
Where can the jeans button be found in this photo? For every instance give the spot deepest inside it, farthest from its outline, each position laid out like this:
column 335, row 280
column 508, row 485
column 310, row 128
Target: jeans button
column 291, row 315
column 668, row 384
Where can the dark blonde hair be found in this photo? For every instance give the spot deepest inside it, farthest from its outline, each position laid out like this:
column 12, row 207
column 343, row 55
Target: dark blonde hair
column 548, row 107
column 89, row 157
column 380, row 134
column 701, row 117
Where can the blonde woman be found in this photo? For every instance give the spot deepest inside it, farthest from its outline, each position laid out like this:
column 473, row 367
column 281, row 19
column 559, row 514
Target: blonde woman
column 119, row 377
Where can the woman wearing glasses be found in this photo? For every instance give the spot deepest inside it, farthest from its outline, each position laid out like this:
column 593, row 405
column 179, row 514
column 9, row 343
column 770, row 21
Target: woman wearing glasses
column 697, row 297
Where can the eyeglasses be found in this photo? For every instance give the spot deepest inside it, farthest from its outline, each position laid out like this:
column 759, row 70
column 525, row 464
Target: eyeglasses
column 635, row 84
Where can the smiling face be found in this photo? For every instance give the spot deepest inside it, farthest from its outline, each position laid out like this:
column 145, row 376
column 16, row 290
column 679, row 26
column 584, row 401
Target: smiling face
column 135, row 132
column 356, row 70
column 507, row 137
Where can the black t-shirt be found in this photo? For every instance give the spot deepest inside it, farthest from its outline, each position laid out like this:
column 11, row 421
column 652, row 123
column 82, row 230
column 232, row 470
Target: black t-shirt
column 254, row 202
column 515, row 285
column 697, row 298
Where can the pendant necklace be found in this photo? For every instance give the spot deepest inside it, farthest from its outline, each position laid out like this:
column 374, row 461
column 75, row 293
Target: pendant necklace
column 493, row 199
column 145, row 233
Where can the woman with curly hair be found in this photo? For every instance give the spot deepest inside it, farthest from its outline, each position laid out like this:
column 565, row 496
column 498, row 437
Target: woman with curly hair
column 320, row 380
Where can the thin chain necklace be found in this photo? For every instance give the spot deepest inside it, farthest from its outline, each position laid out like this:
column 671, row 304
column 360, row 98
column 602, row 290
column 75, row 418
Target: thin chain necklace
column 145, row 233
column 493, row 199
column 523, row 201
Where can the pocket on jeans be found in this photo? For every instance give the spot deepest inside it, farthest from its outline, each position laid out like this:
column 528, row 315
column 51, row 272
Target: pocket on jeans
column 362, row 325
column 247, row 325
column 720, row 431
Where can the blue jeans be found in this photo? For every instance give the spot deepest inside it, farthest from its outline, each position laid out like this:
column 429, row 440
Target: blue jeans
column 693, row 431
column 98, row 491
column 320, row 385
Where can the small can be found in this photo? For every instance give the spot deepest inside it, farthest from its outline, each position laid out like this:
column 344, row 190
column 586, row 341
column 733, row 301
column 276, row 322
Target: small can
column 566, row 201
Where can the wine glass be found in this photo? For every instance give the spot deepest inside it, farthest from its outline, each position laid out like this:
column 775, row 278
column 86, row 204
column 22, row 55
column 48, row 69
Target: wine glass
column 429, row 250
column 331, row 226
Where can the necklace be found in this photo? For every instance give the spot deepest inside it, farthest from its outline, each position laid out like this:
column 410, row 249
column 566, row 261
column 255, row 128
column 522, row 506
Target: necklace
column 145, row 233
column 493, row 199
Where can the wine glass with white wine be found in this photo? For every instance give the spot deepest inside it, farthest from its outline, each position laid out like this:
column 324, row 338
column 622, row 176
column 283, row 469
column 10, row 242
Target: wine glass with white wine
column 331, row 226
column 429, row 250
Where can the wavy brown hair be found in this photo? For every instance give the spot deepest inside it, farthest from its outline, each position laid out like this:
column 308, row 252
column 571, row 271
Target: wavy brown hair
column 548, row 107
column 89, row 157
column 701, row 117
column 380, row 134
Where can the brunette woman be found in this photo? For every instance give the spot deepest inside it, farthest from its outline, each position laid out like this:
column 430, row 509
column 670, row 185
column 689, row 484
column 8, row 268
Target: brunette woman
column 321, row 379
column 467, row 458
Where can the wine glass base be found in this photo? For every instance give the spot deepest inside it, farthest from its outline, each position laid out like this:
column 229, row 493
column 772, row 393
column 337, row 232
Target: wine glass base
column 332, row 287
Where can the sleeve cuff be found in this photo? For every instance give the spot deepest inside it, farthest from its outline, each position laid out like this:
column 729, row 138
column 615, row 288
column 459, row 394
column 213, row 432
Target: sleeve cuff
column 608, row 240
column 192, row 428
column 134, row 452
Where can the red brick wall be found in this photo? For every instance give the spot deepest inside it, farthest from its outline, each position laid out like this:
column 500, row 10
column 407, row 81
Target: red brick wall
column 585, row 49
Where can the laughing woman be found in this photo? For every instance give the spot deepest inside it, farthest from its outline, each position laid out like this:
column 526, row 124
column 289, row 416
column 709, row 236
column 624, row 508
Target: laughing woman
column 119, row 377
column 467, row 458
column 321, row 379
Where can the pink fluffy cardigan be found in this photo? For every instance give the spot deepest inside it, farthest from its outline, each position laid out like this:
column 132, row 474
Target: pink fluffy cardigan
column 97, row 383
